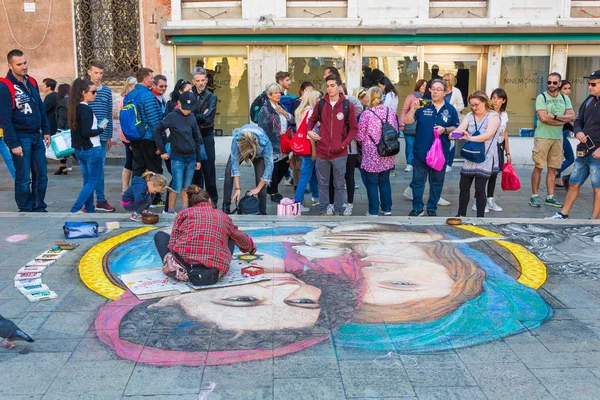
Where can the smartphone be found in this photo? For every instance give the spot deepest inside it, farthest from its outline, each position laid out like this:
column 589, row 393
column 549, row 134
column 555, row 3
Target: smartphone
column 456, row 135
column 425, row 102
column 104, row 121
column 589, row 143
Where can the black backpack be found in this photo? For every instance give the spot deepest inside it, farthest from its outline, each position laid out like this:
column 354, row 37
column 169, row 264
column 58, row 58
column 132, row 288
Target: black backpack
column 256, row 106
column 388, row 143
column 346, row 105
column 247, row 205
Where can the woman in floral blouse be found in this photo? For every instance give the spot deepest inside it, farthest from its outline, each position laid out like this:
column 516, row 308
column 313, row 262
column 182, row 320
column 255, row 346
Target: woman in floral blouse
column 374, row 169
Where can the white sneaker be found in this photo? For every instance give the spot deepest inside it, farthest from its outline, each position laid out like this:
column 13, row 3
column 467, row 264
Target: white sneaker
column 474, row 208
column 408, row 168
column 492, row 205
column 314, row 202
column 558, row 216
column 370, row 215
column 448, row 168
column 69, row 169
column 356, row 186
column 330, row 209
column 393, row 173
column 348, row 209
column 408, row 193
column 288, row 181
column 304, row 209
column 443, row 202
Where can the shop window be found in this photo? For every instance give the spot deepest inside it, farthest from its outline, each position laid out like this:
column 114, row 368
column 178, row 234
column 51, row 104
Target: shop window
column 308, row 63
column 525, row 69
column 399, row 63
column 580, row 63
column 228, row 79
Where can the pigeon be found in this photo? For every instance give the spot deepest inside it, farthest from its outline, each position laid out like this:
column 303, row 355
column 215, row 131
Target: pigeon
column 10, row 331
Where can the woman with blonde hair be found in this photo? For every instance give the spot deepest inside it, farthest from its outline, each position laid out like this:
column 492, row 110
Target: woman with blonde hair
column 481, row 125
column 128, row 167
column 374, row 169
column 308, row 175
column 250, row 144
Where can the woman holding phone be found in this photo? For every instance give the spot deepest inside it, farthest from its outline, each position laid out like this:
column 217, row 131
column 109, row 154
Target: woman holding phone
column 85, row 131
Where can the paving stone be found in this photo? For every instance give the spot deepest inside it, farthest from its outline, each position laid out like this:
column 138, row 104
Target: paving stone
column 20, row 375
column 165, row 380
column 505, row 381
column 375, row 379
column 308, row 389
column 77, row 378
column 241, row 375
column 569, row 383
column 450, row 393
column 445, row 374
column 492, row 352
column 567, row 336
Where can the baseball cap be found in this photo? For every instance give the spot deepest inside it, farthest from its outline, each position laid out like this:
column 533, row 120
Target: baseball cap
column 188, row 101
column 595, row 75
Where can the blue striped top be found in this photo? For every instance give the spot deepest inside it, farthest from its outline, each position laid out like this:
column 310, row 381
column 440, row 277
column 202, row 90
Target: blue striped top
column 102, row 108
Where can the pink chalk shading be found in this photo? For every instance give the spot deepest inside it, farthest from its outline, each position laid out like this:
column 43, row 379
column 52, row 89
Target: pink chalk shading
column 109, row 318
column 16, row 238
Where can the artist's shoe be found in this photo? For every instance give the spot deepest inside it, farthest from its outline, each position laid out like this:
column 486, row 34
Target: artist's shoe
column 534, row 201
column 552, row 201
column 104, row 206
column 416, row 213
column 136, row 217
column 492, row 205
column 558, row 216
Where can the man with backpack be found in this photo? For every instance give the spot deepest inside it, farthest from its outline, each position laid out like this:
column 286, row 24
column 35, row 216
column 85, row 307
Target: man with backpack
column 553, row 110
column 587, row 163
column 26, row 133
column 338, row 128
column 139, row 117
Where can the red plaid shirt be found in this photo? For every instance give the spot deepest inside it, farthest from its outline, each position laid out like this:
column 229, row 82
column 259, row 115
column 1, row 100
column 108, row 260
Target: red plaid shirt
column 200, row 235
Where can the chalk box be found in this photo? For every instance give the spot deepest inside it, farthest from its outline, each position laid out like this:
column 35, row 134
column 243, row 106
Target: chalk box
column 28, row 282
column 28, row 275
column 32, row 268
column 31, row 289
column 40, row 296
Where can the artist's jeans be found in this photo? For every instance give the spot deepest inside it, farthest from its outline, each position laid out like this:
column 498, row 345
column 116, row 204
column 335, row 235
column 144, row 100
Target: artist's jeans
column 421, row 173
column 308, row 176
column 324, row 168
column 90, row 162
column 161, row 241
column 378, row 188
column 569, row 155
column 31, row 174
column 7, row 157
column 408, row 151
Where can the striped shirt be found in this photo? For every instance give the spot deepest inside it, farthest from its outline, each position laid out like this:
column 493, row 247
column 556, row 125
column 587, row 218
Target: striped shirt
column 102, row 108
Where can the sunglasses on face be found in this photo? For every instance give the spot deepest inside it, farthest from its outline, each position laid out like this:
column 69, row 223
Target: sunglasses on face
column 555, row 83
column 592, row 84
column 93, row 92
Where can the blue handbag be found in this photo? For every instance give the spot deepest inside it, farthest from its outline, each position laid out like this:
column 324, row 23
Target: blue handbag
column 80, row 230
column 475, row 151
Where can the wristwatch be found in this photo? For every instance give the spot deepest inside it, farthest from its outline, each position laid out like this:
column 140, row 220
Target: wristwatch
column 555, row 116
column 445, row 131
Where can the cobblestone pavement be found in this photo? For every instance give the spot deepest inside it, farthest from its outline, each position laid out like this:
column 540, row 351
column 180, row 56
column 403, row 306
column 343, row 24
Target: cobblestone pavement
column 357, row 308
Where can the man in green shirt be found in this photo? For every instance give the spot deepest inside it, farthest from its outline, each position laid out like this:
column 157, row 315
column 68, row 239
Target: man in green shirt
column 553, row 109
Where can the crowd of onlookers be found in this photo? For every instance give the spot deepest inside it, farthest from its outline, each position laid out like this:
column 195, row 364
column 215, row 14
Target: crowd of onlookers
column 316, row 140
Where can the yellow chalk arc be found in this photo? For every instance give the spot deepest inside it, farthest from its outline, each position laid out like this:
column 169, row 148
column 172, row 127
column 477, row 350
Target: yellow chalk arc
column 91, row 270
column 533, row 270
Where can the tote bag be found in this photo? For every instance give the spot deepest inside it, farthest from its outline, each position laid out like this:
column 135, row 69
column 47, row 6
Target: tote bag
column 435, row 156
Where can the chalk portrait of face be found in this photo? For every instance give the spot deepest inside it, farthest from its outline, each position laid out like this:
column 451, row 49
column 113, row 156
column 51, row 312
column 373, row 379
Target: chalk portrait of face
column 429, row 288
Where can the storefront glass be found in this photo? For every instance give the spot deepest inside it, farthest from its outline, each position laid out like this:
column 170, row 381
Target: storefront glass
column 582, row 61
column 523, row 76
column 228, row 79
column 308, row 63
column 399, row 63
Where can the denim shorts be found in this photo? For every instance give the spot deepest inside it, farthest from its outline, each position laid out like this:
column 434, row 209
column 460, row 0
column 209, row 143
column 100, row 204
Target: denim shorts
column 584, row 167
column 182, row 174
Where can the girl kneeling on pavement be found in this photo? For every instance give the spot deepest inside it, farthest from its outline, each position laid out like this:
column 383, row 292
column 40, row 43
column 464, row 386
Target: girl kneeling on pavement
column 250, row 144
column 186, row 142
column 138, row 197
column 202, row 241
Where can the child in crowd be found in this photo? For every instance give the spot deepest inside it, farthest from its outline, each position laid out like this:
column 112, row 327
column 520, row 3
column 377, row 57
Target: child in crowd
column 138, row 197
column 186, row 142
